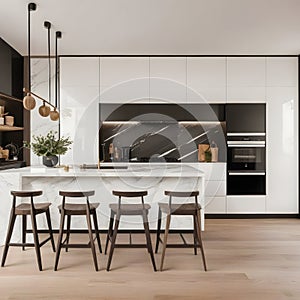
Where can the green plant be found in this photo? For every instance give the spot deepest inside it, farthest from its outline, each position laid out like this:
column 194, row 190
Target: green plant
column 48, row 145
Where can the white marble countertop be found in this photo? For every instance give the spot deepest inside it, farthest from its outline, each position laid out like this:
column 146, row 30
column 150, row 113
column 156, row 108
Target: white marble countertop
column 133, row 170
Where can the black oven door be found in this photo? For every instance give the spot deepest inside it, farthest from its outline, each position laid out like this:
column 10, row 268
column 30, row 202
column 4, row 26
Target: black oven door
column 246, row 157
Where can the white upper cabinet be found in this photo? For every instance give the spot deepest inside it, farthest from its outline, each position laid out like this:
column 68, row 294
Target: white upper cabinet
column 246, row 79
column 79, row 94
column 206, row 79
column 124, row 79
column 167, row 79
column 281, row 71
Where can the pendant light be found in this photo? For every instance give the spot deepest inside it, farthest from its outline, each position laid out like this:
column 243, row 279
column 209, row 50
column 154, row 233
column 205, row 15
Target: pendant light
column 54, row 114
column 29, row 101
column 44, row 109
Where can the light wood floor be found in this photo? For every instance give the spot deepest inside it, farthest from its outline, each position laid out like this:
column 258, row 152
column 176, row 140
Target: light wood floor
column 247, row 259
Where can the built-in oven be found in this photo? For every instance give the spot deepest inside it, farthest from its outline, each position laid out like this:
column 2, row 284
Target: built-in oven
column 246, row 163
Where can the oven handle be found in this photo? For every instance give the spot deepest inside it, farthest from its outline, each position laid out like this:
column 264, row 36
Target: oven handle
column 246, row 146
column 246, row 173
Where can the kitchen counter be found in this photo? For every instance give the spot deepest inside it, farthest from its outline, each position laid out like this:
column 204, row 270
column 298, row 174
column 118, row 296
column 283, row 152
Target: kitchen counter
column 114, row 170
column 154, row 177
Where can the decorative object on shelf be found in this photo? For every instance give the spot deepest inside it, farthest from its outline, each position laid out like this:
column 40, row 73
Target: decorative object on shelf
column 49, row 146
column 4, row 154
column 13, row 151
column 214, row 152
column 9, row 120
column 29, row 101
column 2, row 114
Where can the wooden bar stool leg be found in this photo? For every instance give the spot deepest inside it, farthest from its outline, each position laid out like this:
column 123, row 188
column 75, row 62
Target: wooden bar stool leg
column 68, row 231
column 60, row 236
column 97, row 230
column 8, row 237
column 148, row 239
column 158, row 230
column 113, row 241
column 24, row 228
column 92, row 244
column 36, row 240
column 195, row 234
column 50, row 229
column 110, row 230
column 198, row 220
column 168, row 221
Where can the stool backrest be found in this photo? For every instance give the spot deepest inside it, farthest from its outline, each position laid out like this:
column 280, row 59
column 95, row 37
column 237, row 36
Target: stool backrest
column 25, row 194
column 76, row 194
column 185, row 194
column 130, row 194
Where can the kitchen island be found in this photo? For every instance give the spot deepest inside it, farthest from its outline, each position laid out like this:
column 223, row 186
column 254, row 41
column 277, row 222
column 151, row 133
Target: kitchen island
column 154, row 177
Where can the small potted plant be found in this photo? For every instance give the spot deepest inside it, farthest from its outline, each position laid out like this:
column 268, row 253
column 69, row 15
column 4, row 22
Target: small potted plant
column 49, row 147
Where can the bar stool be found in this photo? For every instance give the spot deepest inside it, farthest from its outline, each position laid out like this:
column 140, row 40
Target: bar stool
column 170, row 209
column 117, row 210
column 77, row 209
column 28, row 209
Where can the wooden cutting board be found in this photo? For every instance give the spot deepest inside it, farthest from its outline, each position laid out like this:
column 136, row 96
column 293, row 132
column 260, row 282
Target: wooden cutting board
column 201, row 151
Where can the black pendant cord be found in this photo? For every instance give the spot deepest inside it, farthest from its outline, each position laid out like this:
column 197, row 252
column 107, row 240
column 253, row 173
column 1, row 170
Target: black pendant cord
column 48, row 26
column 31, row 7
column 56, row 96
column 58, row 35
column 29, row 61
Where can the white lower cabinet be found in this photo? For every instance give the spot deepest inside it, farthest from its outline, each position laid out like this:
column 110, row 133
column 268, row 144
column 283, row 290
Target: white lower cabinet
column 246, row 204
column 215, row 205
column 215, row 187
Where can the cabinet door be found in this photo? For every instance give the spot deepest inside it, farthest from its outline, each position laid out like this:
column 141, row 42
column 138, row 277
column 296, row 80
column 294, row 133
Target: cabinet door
column 167, row 79
column 246, row 79
column 215, row 205
column 79, row 94
column 206, row 79
column 124, row 80
column 281, row 71
column 246, row 204
column 282, row 150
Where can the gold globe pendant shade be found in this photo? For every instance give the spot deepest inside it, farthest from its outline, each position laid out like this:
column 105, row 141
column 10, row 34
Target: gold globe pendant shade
column 44, row 110
column 29, row 102
column 54, row 115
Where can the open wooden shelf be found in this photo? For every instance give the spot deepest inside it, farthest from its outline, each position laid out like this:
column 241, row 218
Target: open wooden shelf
column 10, row 128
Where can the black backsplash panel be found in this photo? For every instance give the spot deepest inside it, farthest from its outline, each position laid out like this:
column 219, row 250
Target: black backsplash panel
column 161, row 132
column 162, row 112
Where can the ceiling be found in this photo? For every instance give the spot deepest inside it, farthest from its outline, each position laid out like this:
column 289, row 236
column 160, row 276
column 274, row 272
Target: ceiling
column 156, row 26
